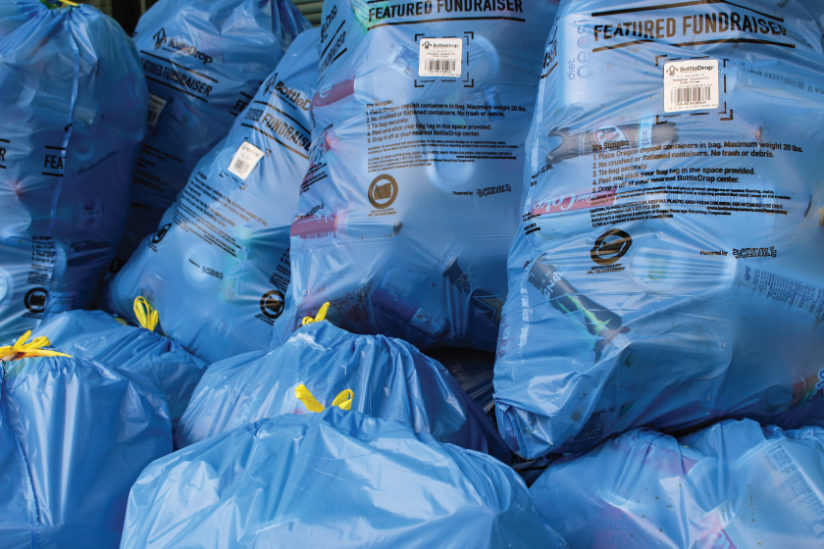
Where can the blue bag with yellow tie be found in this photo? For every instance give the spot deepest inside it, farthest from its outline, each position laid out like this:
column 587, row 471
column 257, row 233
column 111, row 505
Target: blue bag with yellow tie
column 322, row 365
column 135, row 351
column 74, row 436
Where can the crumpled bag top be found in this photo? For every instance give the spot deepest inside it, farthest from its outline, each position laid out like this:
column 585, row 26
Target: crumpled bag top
column 336, row 478
column 130, row 350
column 389, row 379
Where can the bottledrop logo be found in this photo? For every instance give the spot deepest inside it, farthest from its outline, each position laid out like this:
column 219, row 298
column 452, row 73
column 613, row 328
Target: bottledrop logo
column 272, row 304
column 160, row 38
column 611, row 247
column 383, row 191
column 36, row 299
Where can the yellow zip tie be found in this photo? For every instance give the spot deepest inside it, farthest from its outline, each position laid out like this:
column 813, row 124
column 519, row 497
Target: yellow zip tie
column 342, row 401
column 318, row 317
column 304, row 395
column 73, row 4
column 146, row 315
column 33, row 348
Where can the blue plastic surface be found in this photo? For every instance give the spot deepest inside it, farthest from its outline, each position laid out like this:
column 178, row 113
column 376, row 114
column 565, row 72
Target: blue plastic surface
column 733, row 485
column 204, row 60
column 412, row 199
column 390, row 379
column 129, row 350
column 73, row 106
column 332, row 479
column 817, row 10
column 217, row 271
column 74, row 436
column 668, row 271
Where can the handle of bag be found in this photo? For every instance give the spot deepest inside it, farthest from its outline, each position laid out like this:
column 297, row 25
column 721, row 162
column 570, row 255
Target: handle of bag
column 146, row 315
column 318, row 317
column 342, row 401
column 25, row 349
column 59, row 3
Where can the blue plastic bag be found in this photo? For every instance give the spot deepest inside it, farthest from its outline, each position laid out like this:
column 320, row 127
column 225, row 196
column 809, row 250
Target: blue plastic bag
column 74, row 436
column 73, row 106
column 331, row 479
column 203, row 61
column 731, row 485
column 321, row 366
column 129, row 350
column 217, row 271
column 817, row 10
column 412, row 199
column 668, row 270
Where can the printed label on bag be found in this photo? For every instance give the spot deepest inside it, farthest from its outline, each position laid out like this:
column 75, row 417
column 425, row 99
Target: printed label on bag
column 691, row 85
column 795, row 489
column 440, row 57
column 156, row 105
column 245, row 160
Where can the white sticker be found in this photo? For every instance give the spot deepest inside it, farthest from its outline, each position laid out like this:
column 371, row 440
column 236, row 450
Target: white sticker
column 691, row 85
column 440, row 57
column 156, row 105
column 245, row 160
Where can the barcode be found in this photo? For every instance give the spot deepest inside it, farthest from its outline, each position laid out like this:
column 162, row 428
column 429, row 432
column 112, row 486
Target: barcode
column 245, row 160
column 446, row 66
column 240, row 166
column 440, row 57
column 691, row 95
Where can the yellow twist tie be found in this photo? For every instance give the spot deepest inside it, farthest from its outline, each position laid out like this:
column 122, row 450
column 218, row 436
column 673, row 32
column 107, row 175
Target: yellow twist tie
column 33, row 348
column 146, row 315
column 318, row 317
column 342, row 401
column 73, row 4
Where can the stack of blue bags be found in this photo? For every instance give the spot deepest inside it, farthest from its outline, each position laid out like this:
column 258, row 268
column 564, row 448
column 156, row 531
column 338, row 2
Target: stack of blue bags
column 433, row 274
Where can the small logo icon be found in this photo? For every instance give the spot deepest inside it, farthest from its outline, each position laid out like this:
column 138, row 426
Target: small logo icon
column 383, row 191
column 610, row 247
column 671, row 70
column 159, row 38
column 161, row 234
column 427, row 45
column 272, row 304
column 35, row 300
